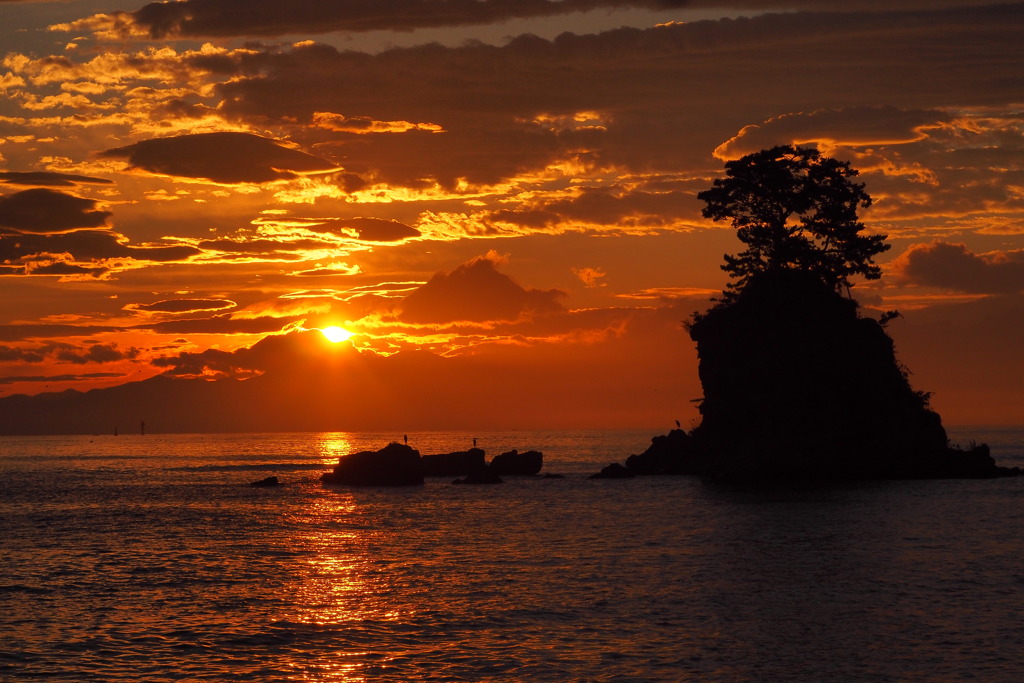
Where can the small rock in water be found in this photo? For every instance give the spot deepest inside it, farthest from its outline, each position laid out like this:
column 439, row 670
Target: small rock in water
column 394, row 465
column 515, row 463
column 269, row 481
column 614, row 471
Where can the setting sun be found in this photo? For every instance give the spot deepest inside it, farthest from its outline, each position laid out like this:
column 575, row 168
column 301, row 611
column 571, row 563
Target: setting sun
column 336, row 334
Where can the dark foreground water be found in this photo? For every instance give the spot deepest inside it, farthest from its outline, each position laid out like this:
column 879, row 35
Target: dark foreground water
column 149, row 558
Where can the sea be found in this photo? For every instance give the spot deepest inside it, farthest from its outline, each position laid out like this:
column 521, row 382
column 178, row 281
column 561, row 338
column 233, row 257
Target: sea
column 151, row 558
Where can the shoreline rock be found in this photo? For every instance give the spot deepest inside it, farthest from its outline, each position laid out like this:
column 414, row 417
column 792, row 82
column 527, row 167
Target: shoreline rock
column 394, row 465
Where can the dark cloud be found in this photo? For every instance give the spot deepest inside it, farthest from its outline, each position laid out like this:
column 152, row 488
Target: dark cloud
column 276, row 353
column 612, row 206
column 96, row 353
column 954, row 266
column 220, row 157
column 41, row 210
column 44, row 331
column 476, row 292
column 852, row 126
column 59, row 378
column 368, row 229
column 64, row 269
column 281, row 250
column 183, row 305
column 50, row 179
column 11, row 353
column 628, row 99
column 69, row 353
column 273, row 18
column 221, row 325
column 87, row 250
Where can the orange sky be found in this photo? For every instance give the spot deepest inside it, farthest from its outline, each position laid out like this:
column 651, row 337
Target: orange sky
column 498, row 200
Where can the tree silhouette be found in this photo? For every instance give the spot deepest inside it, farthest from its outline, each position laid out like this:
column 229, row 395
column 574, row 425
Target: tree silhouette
column 794, row 209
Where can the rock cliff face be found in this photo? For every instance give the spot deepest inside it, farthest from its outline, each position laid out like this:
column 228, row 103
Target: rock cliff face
column 798, row 384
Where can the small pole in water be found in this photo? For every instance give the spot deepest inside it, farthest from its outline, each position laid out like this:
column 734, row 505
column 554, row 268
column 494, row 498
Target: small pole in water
column 474, row 442
column 115, row 430
column 142, row 428
column 406, row 439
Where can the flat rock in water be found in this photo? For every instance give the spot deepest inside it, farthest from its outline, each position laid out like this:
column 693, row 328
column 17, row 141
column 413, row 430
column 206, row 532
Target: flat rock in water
column 394, row 465
column 457, row 464
column 515, row 463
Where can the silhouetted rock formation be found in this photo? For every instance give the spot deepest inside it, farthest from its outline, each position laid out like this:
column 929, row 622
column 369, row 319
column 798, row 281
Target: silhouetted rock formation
column 457, row 464
column 664, row 456
column 394, row 465
column 515, row 463
column 797, row 384
column 269, row 481
column 614, row 471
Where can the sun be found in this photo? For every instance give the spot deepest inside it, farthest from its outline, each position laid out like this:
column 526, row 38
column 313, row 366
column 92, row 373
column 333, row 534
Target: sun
column 336, row 334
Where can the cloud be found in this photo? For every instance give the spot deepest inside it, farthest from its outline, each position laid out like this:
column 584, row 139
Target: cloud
column 591, row 277
column 648, row 203
column 365, row 124
column 29, row 332
column 954, row 266
column 476, row 292
column 851, row 126
column 96, row 353
column 49, row 211
column 368, row 229
column 50, row 179
column 227, row 158
column 243, row 248
column 68, row 353
column 339, row 269
column 67, row 271
column 500, row 107
column 300, row 381
column 11, row 353
column 670, row 293
column 182, row 305
column 272, row 18
column 93, row 252
column 59, row 378
column 222, row 324
column 222, row 18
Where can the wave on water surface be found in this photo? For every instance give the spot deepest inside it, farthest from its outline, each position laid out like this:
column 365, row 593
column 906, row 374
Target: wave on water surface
column 159, row 567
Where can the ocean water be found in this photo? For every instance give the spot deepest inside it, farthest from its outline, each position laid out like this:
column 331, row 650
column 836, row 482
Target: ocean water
column 149, row 558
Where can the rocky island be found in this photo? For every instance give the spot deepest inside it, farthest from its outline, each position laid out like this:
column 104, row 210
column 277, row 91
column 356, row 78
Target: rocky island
column 797, row 383
column 399, row 464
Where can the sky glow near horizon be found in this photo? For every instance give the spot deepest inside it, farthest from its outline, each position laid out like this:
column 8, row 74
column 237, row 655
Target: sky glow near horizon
column 510, row 194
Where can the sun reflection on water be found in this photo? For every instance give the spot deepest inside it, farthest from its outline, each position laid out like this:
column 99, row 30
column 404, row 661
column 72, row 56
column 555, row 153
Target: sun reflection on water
column 344, row 594
column 333, row 445
column 341, row 581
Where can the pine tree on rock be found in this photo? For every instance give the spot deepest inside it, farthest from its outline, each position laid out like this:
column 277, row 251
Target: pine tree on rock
column 795, row 210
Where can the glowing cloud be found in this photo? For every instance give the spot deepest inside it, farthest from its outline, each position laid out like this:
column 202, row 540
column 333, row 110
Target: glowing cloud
column 226, row 158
